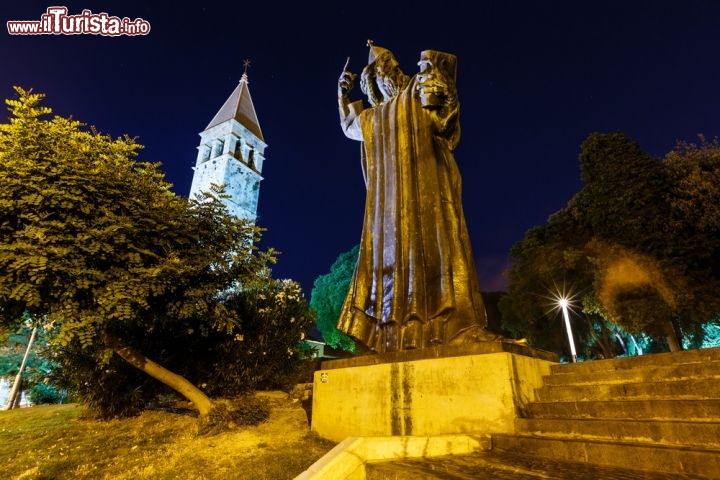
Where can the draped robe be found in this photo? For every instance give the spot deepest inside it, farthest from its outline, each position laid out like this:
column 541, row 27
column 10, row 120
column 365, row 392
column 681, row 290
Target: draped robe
column 415, row 283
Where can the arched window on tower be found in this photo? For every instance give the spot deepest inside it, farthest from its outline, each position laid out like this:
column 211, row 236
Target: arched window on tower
column 251, row 158
column 217, row 148
column 205, row 153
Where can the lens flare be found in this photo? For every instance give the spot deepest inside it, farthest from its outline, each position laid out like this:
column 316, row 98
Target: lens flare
column 562, row 299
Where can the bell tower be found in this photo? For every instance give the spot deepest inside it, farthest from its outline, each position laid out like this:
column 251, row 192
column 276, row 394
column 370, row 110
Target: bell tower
column 231, row 153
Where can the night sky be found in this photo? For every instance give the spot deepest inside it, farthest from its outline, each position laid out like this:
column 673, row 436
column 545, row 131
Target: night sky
column 534, row 79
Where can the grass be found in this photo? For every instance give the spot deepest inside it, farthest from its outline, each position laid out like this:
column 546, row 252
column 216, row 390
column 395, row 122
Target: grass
column 62, row 442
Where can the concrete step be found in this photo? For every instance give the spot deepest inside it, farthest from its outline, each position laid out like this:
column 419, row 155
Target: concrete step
column 690, row 410
column 701, row 355
column 701, row 434
column 498, row 465
column 649, row 373
column 695, row 389
column 683, row 462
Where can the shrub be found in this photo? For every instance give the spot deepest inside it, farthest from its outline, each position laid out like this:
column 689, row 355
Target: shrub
column 261, row 352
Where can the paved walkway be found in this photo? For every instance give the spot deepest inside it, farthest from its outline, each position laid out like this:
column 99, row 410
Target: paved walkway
column 502, row 466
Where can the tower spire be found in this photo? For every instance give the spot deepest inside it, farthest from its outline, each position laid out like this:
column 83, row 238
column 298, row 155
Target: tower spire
column 232, row 152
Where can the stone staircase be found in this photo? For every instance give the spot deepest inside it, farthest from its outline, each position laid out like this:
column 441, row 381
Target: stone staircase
column 654, row 413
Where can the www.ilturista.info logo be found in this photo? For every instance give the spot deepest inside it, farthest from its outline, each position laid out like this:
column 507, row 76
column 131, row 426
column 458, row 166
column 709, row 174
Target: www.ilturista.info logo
column 56, row 21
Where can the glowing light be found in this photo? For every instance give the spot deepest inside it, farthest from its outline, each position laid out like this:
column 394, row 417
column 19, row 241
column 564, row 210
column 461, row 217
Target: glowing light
column 563, row 302
column 561, row 298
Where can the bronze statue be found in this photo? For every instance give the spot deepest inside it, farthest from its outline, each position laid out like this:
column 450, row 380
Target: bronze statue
column 415, row 283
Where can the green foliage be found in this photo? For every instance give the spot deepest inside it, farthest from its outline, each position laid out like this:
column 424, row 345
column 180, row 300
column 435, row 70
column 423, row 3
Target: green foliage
column 44, row 393
column 10, row 363
column 36, row 380
column 638, row 248
column 546, row 265
column 327, row 297
column 95, row 243
column 712, row 334
column 262, row 351
column 96, row 240
column 111, row 389
column 694, row 172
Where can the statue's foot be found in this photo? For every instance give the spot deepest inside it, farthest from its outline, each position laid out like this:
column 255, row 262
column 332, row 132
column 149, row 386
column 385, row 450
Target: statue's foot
column 516, row 341
column 478, row 334
column 475, row 334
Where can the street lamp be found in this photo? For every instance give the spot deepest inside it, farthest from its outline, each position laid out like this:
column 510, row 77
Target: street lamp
column 563, row 302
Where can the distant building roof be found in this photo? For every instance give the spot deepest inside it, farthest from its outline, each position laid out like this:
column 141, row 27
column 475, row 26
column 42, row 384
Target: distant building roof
column 239, row 106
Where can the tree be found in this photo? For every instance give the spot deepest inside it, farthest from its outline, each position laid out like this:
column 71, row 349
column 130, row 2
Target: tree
column 693, row 241
column 550, row 263
column 95, row 242
column 262, row 352
column 656, row 256
column 266, row 349
column 327, row 297
column 623, row 194
column 637, row 243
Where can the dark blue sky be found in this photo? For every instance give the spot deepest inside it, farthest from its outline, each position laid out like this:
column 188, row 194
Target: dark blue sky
column 534, row 79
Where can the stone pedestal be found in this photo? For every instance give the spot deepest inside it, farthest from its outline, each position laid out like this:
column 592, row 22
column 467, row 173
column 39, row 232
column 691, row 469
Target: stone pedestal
column 476, row 388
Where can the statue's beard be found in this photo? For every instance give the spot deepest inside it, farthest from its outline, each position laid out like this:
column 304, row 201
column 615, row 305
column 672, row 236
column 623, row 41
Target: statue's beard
column 390, row 85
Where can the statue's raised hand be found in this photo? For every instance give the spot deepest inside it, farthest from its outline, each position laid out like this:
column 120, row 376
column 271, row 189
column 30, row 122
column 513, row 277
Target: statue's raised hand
column 346, row 82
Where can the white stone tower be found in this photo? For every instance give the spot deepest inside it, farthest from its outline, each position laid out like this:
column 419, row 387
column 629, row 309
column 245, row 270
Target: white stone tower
column 231, row 153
